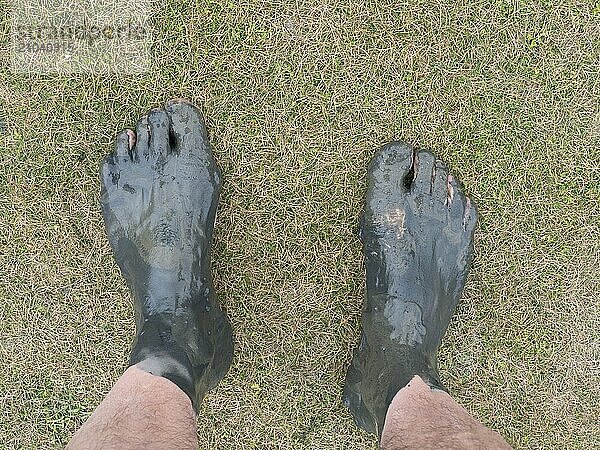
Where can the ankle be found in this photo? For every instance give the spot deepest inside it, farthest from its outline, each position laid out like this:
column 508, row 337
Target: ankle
column 167, row 367
column 156, row 352
column 421, row 416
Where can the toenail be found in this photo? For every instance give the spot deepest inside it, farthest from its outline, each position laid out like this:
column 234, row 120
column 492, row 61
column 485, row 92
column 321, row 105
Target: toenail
column 131, row 136
column 466, row 213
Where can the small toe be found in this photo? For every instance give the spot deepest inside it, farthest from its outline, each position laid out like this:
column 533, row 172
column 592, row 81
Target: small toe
column 470, row 217
column 188, row 127
column 142, row 148
column 456, row 200
column 122, row 152
column 462, row 210
column 424, row 164
column 440, row 182
column 159, row 124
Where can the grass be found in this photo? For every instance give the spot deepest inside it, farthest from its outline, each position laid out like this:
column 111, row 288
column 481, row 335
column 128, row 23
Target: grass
column 298, row 95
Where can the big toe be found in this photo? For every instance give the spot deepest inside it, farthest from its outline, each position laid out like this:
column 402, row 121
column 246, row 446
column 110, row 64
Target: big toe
column 393, row 164
column 188, row 127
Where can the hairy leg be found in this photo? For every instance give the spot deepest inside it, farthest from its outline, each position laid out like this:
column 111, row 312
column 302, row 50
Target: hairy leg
column 160, row 190
column 417, row 231
column 420, row 417
column 140, row 411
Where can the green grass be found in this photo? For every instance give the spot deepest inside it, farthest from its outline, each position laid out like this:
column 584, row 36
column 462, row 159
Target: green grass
column 298, row 95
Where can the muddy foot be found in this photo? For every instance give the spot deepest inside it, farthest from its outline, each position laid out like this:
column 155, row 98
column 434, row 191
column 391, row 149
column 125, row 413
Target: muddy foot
column 417, row 233
column 160, row 190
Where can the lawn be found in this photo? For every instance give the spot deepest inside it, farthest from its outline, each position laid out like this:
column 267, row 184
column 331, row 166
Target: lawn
column 298, row 95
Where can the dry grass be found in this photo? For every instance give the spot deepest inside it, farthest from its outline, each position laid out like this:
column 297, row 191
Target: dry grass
column 298, row 95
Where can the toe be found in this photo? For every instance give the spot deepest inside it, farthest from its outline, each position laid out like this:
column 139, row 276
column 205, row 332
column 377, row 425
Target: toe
column 143, row 139
column 123, row 145
column 470, row 216
column 424, row 164
column 456, row 200
column 393, row 163
column 158, row 125
column 440, row 183
column 462, row 210
column 188, row 127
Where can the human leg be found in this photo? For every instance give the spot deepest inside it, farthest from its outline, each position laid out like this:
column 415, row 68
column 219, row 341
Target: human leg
column 160, row 189
column 417, row 232
column 140, row 411
column 420, row 417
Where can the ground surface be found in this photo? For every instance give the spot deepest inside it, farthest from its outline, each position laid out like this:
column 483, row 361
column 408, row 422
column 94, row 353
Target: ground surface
column 298, row 95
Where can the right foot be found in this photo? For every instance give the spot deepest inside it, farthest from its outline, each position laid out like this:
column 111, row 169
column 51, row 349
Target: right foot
column 417, row 232
column 160, row 190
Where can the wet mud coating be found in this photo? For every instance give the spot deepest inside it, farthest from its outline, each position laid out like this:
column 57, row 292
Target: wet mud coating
column 160, row 189
column 417, row 232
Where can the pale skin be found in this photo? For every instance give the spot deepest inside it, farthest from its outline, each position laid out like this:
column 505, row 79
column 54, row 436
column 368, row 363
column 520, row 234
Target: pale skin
column 143, row 411
column 423, row 418
column 159, row 193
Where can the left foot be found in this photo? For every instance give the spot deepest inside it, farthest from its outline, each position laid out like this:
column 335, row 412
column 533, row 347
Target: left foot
column 417, row 233
column 160, row 190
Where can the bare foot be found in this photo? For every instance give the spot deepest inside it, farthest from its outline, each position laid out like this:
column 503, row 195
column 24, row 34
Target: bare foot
column 417, row 233
column 160, row 190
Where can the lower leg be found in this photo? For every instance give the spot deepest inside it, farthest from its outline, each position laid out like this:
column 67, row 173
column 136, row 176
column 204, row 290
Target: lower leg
column 417, row 231
column 160, row 189
column 420, row 417
column 140, row 411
